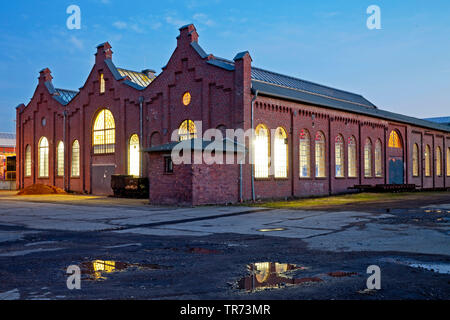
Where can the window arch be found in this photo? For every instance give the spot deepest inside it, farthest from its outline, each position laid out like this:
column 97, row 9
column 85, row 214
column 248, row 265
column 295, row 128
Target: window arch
column 134, row 156
column 28, row 161
column 187, row 130
column 320, row 155
column 281, row 153
column 438, row 162
column 368, row 158
column 60, row 159
column 378, row 159
column 261, row 151
column 75, row 159
column 352, row 157
column 305, row 153
column 104, row 133
column 43, row 158
column 339, row 156
column 394, row 140
column 415, row 160
column 448, row 162
column 427, row 161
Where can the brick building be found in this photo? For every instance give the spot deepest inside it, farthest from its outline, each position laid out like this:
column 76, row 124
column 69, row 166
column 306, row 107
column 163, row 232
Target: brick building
column 309, row 139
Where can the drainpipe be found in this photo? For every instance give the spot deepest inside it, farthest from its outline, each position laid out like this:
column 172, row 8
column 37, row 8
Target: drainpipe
column 65, row 144
column 252, row 149
column 141, row 130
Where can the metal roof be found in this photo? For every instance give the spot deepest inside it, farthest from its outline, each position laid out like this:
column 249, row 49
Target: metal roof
column 66, row 95
column 443, row 120
column 7, row 139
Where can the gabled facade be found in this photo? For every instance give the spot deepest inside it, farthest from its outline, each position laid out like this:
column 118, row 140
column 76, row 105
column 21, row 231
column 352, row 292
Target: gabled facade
column 327, row 139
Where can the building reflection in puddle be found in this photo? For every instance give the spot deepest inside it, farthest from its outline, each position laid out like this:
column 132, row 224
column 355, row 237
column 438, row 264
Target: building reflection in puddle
column 265, row 275
column 95, row 270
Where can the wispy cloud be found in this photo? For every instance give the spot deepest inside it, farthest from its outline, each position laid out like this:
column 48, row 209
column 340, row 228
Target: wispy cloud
column 120, row 25
column 175, row 21
column 76, row 42
column 203, row 19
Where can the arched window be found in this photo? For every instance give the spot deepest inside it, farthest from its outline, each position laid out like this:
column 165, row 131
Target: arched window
column 281, row 153
column 28, row 161
column 438, row 162
column 104, row 133
column 320, row 155
column 60, row 159
column 394, row 140
column 339, row 156
column 368, row 158
column 262, row 152
column 448, row 162
column 75, row 159
column 352, row 157
column 378, row 159
column 305, row 154
column 134, row 156
column 43, row 158
column 427, row 161
column 102, row 83
column 415, row 160
column 187, row 130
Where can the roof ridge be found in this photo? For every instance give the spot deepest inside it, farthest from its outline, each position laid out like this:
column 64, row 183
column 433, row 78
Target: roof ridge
column 129, row 70
column 70, row 90
column 310, row 82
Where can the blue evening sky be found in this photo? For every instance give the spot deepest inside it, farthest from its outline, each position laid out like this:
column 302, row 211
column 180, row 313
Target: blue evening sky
column 404, row 67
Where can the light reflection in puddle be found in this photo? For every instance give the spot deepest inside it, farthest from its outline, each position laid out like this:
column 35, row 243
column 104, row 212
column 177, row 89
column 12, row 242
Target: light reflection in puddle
column 95, row 270
column 267, row 275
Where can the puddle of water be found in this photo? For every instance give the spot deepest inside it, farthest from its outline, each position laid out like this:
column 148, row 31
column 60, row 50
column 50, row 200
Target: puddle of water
column 435, row 267
column 271, row 229
column 270, row 275
column 96, row 270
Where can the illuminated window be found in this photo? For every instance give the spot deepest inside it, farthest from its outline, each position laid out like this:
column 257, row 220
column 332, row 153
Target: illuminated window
column 102, row 83
column 187, row 98
column 75, row 159
column 134, row 156
column 394, row 140
column 415, row 160
column 262, row 152
column 305, row 153
column 368, row 159
column 187, row 130
column 281, row 153
column 28, row 161
column 104, row 134
column 438, row 162
column 60, row 159
column 378, row 159
column 339, row 156
column 352, row 157
column 448, row 162
column 43, row 158
column 427, row 161
column 320, row 155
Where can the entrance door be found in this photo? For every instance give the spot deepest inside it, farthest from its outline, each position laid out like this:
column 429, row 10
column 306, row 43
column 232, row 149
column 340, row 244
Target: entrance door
column 396, row 170
column 101, row 179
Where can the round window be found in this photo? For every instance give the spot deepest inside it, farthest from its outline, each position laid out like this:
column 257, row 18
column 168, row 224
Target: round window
column 186, row 98
column 44, row 122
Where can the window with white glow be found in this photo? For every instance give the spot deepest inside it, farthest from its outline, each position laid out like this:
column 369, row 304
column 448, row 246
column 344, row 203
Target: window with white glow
column 75, row 159
column 134, row 156
column 281, row 153
column 28, row 161
column 352, row 157
column 320, row 155
column 261, row 152
column 378, row 159
column 368, row 159
column 43, row 158
column 187, row 130
column 60, row 159
column 305, row 154
column 339, row 156
column 104, row 133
